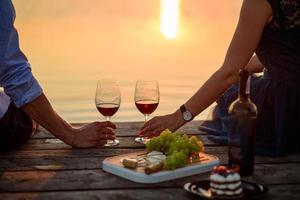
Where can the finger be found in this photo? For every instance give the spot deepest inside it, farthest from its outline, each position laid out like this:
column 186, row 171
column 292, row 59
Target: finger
column 152, row 128
column 107, row 137
column 103, row 135
column 107, row 131
column 107, row 124
column 147, row 131
column 149, row 136
column 140, row 133
column 148, row 127
column 154, row 133
column 148, row 123
column 110, row 137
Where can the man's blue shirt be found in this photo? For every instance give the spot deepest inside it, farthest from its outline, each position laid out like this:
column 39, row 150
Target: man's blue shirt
column 15, row 73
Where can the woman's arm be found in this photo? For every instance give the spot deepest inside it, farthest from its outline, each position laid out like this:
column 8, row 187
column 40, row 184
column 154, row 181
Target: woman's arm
column 254, row 16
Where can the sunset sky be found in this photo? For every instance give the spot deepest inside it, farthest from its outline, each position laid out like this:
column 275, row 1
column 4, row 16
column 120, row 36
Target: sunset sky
column 74, row 43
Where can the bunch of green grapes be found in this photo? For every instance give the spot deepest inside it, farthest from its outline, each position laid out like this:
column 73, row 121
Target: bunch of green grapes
column 178, row 148
column 175, row 160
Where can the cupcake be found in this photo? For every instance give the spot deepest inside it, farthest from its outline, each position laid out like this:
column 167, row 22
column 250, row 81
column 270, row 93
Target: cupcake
column 225, row 183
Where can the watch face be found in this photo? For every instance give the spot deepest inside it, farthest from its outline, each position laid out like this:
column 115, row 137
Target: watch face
column 187, row 116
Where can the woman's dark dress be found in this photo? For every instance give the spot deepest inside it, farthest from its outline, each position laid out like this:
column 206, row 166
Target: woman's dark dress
column 277, row 92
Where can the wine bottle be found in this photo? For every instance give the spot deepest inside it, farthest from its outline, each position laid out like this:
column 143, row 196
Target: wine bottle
column 241, row 134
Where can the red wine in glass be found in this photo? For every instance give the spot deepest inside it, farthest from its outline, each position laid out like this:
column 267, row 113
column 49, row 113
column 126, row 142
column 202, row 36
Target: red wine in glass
column 108, row 109
column 146, row 99
column 108, row 100
column 146, row 106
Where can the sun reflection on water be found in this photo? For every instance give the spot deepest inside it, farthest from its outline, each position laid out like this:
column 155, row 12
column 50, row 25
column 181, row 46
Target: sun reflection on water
column 169, row 18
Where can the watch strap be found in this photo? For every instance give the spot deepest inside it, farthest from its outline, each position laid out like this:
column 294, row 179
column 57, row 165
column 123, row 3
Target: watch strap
column 183, row 110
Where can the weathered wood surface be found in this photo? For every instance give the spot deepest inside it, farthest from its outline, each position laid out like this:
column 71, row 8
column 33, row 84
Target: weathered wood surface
column 92, row 158
column 125, row 142
column 129, row 129
column 33, row 181
column 42, row 169
column 277, row 192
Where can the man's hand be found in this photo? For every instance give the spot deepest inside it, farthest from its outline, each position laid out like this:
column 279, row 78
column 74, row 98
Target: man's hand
column 93, row 135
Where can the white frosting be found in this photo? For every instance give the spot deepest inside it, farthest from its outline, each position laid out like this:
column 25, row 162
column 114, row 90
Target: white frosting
column 218, row 186
column 217, row 178
column 233, row 186
column 221, row 179
column 233, row 177
column 230, row 186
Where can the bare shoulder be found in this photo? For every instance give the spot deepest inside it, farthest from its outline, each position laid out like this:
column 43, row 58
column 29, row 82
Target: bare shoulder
column 254, row 15
column 256, row 8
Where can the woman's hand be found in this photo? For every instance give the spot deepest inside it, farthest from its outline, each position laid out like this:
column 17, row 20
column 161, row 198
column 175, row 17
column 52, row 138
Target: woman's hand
column 93, row 135
column 158, row 124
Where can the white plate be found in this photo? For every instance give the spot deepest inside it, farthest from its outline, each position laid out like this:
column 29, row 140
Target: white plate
column 114, row 166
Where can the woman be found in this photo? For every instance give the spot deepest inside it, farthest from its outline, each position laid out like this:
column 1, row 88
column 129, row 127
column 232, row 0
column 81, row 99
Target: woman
column 271, row 29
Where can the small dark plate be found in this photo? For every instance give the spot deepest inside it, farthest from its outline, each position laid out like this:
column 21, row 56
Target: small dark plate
column 202, row 189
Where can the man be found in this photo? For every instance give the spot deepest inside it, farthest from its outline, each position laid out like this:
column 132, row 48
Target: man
column 24, row 102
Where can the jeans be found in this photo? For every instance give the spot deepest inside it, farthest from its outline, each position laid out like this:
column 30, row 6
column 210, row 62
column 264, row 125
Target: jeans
column 16, row 127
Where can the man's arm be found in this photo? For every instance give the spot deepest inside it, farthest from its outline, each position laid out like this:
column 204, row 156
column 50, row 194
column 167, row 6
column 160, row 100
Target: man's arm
column 15, row 72
column 88, row 136
column 42, row 112
column 21, row 86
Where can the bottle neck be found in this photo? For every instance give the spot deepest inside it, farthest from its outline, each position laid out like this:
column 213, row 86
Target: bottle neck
column 244, row 89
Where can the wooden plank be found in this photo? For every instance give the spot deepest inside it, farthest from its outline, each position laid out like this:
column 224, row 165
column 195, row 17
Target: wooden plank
column 57, row 159
column 128, row 129
column 67, row 180
column 39, row 144
column 125, row 142
column 136, row 194
column 277, row 192
column 35, row 181
column 92, row 158
column 72, row 153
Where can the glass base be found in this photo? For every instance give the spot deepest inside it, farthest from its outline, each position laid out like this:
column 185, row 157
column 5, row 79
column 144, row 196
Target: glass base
column 112, row 143
column 141, row 140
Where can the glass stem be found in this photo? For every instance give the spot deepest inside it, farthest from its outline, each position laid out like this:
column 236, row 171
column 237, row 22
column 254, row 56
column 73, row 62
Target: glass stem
column 146, row 117
column 108, row 119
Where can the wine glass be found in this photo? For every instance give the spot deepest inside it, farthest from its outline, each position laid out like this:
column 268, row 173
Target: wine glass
column 146, row 99
column 108, row 100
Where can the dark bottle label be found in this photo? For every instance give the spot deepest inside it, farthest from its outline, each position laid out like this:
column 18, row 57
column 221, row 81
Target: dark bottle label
column 241, row 142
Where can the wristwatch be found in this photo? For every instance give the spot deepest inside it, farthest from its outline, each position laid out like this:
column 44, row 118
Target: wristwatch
column 186, row 115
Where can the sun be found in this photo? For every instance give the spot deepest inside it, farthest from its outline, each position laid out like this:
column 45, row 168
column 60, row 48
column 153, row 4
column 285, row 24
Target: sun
column 169, row 18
